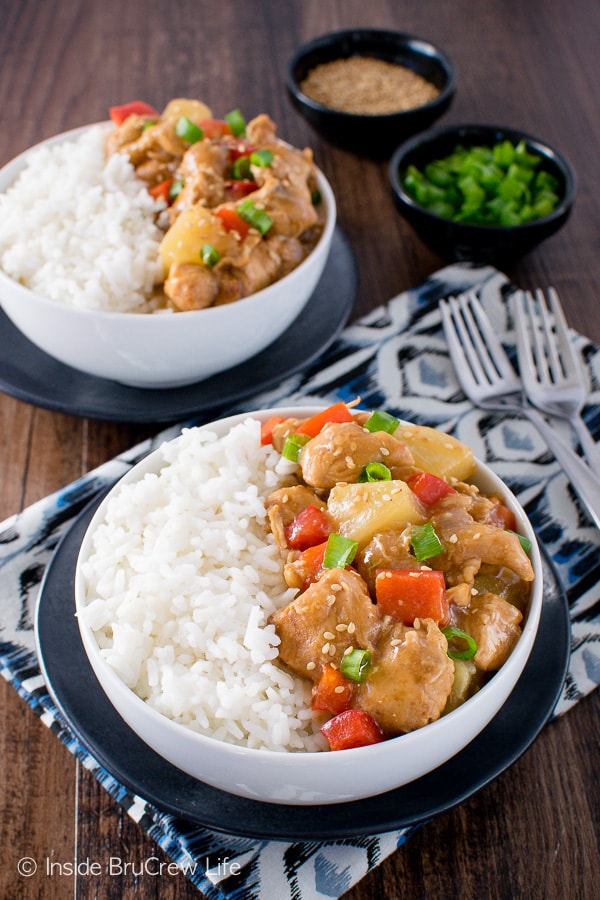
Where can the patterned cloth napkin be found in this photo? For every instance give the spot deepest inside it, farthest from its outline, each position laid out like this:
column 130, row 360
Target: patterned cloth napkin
column 395, row 358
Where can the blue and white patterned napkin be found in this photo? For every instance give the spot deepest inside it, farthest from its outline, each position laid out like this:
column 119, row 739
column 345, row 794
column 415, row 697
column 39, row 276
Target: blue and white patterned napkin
column 394, row 358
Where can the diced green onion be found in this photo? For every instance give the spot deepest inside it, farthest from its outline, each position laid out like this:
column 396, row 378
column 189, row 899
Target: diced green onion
column 356, row 664
column 236, row 122
column 469, row 650
column 381, row 421
column 148, row 125
column 262, row 158
column 240, row 169
column 375, row 471
column 175, row 189
column 188, row 131
column 524, row 542
column 339, row 552
column 316, row 197
column 425, row 541
column 254, row 216
column 293, row 445
column 209, row 255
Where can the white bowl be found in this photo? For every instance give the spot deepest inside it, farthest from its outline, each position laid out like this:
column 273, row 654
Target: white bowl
column 155, row 351
column 320, row 777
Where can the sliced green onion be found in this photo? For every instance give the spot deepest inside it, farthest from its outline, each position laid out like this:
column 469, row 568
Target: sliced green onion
column 356, row 665
column 262, row 158
column 188, row 130
column 316, row 197
column 236, row 122
column 148, row 125
column 381, row 421
column 339, row 552
column 240, row 170
column 524, row 542
column 470, row 649
column 254, row 216
column 210, row 255
column 176, row 188
column 375, row 471
column 293, row 445
column 425, row 541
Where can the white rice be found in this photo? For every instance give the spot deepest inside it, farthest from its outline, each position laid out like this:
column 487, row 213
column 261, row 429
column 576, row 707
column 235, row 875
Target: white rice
column 80, row 229
column 180, row 580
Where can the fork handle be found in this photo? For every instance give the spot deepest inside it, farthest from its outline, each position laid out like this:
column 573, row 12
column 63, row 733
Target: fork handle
column 585, row 482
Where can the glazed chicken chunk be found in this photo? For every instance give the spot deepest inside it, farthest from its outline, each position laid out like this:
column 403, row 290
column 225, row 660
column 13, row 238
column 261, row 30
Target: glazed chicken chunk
column 495, row 625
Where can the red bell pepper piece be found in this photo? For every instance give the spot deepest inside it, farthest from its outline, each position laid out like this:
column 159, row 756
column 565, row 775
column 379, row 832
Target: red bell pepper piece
column 232, row 222
column 332, row 693
column 237, row 189
column 352, row 728
column 267, row 429
column 310, row 564
column 409, row 594
column 239, row 149
column 429, row 488
column 311, row 526
column 161, row 191
column 214, row 128
column 338, row 412
column 118, row 114
column 502, row 517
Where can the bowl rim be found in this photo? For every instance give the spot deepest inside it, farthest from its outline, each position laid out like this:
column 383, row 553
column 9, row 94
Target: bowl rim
column 426, row 48
column 19, row 162
column 428, row 138
column 325, row 759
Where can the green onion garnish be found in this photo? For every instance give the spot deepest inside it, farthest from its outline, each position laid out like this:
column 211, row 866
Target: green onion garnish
column 293, row 445
column 525, row 542
column 236, row 122
column 425, row 541
column 254, row 216
column 240, row 170
column 261, row 158
column 209, row 255
column 188, row 130
column 356, row 664
column 175, row 189
column 316, row 197
column 148, row 125
column 381, row 421
column 457, row 633
column 375, row 471
column 339, row 552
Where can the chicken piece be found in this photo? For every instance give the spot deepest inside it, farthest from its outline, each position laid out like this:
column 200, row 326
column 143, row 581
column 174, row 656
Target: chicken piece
column 386, row 550
column 334, row 613
column 411, row 678
column 495, row 626
column 202, row 170
column 468, row 544
column 340, row 452
column 284, row 504
column 189, row 286
column 155, row 152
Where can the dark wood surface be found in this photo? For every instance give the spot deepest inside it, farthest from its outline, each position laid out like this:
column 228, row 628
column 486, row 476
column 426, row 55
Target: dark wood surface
column 534, row 831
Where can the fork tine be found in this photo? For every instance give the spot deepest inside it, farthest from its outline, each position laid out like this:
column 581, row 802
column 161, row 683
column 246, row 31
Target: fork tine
column 491, row 352
column 549, row 359
column 570, row 362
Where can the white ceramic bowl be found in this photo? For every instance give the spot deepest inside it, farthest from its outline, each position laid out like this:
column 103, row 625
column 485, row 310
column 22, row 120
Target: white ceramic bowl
column 155, row 351
column 321, row 777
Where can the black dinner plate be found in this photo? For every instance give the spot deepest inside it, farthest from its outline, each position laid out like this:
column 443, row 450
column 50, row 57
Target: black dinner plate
column 82, row 702
column 29, row 374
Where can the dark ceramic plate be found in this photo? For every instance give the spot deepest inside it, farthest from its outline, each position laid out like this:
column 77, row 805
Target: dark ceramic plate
column 103, row 733
column 29, row 374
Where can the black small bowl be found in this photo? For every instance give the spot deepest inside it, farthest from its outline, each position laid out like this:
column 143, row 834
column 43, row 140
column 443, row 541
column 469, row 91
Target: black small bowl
column 459, row 241
column 375, row 136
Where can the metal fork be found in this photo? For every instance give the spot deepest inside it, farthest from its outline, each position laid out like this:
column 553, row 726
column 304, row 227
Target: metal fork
column 489, row 380
column 551, row 373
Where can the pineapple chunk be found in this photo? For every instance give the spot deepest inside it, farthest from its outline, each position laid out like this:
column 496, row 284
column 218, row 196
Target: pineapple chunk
column 193, row 228
column 438, row 453
column 362, row 510
column 193, row 109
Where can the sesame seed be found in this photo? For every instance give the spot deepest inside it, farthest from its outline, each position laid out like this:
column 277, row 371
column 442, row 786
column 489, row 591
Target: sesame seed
column 311, row 665
column 453, row 539
column 413, row 574
column 351, row 628
column 395, row 641
column 332, row 650
column 325, row 649
column 335, row 587
column 384, row 451
column 474, row 592
column 328, row 635
column 349, row 461
column 348, row 650
column 341, row 627
column 339, row 689
column 330, row 599
column 477, row 535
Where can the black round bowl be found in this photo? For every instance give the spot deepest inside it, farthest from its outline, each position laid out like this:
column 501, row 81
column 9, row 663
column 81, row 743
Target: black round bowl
column 458, row 241
column 374, row 136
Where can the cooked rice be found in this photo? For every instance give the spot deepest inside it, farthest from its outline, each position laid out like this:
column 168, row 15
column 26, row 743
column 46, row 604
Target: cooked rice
column 80, row 229
column 180, row 580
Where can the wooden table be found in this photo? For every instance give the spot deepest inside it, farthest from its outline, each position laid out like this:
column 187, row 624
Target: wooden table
column 534, row 831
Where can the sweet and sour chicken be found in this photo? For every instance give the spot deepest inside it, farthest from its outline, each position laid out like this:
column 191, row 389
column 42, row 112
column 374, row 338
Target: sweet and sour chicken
column 242, row 207
column 411, row 583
